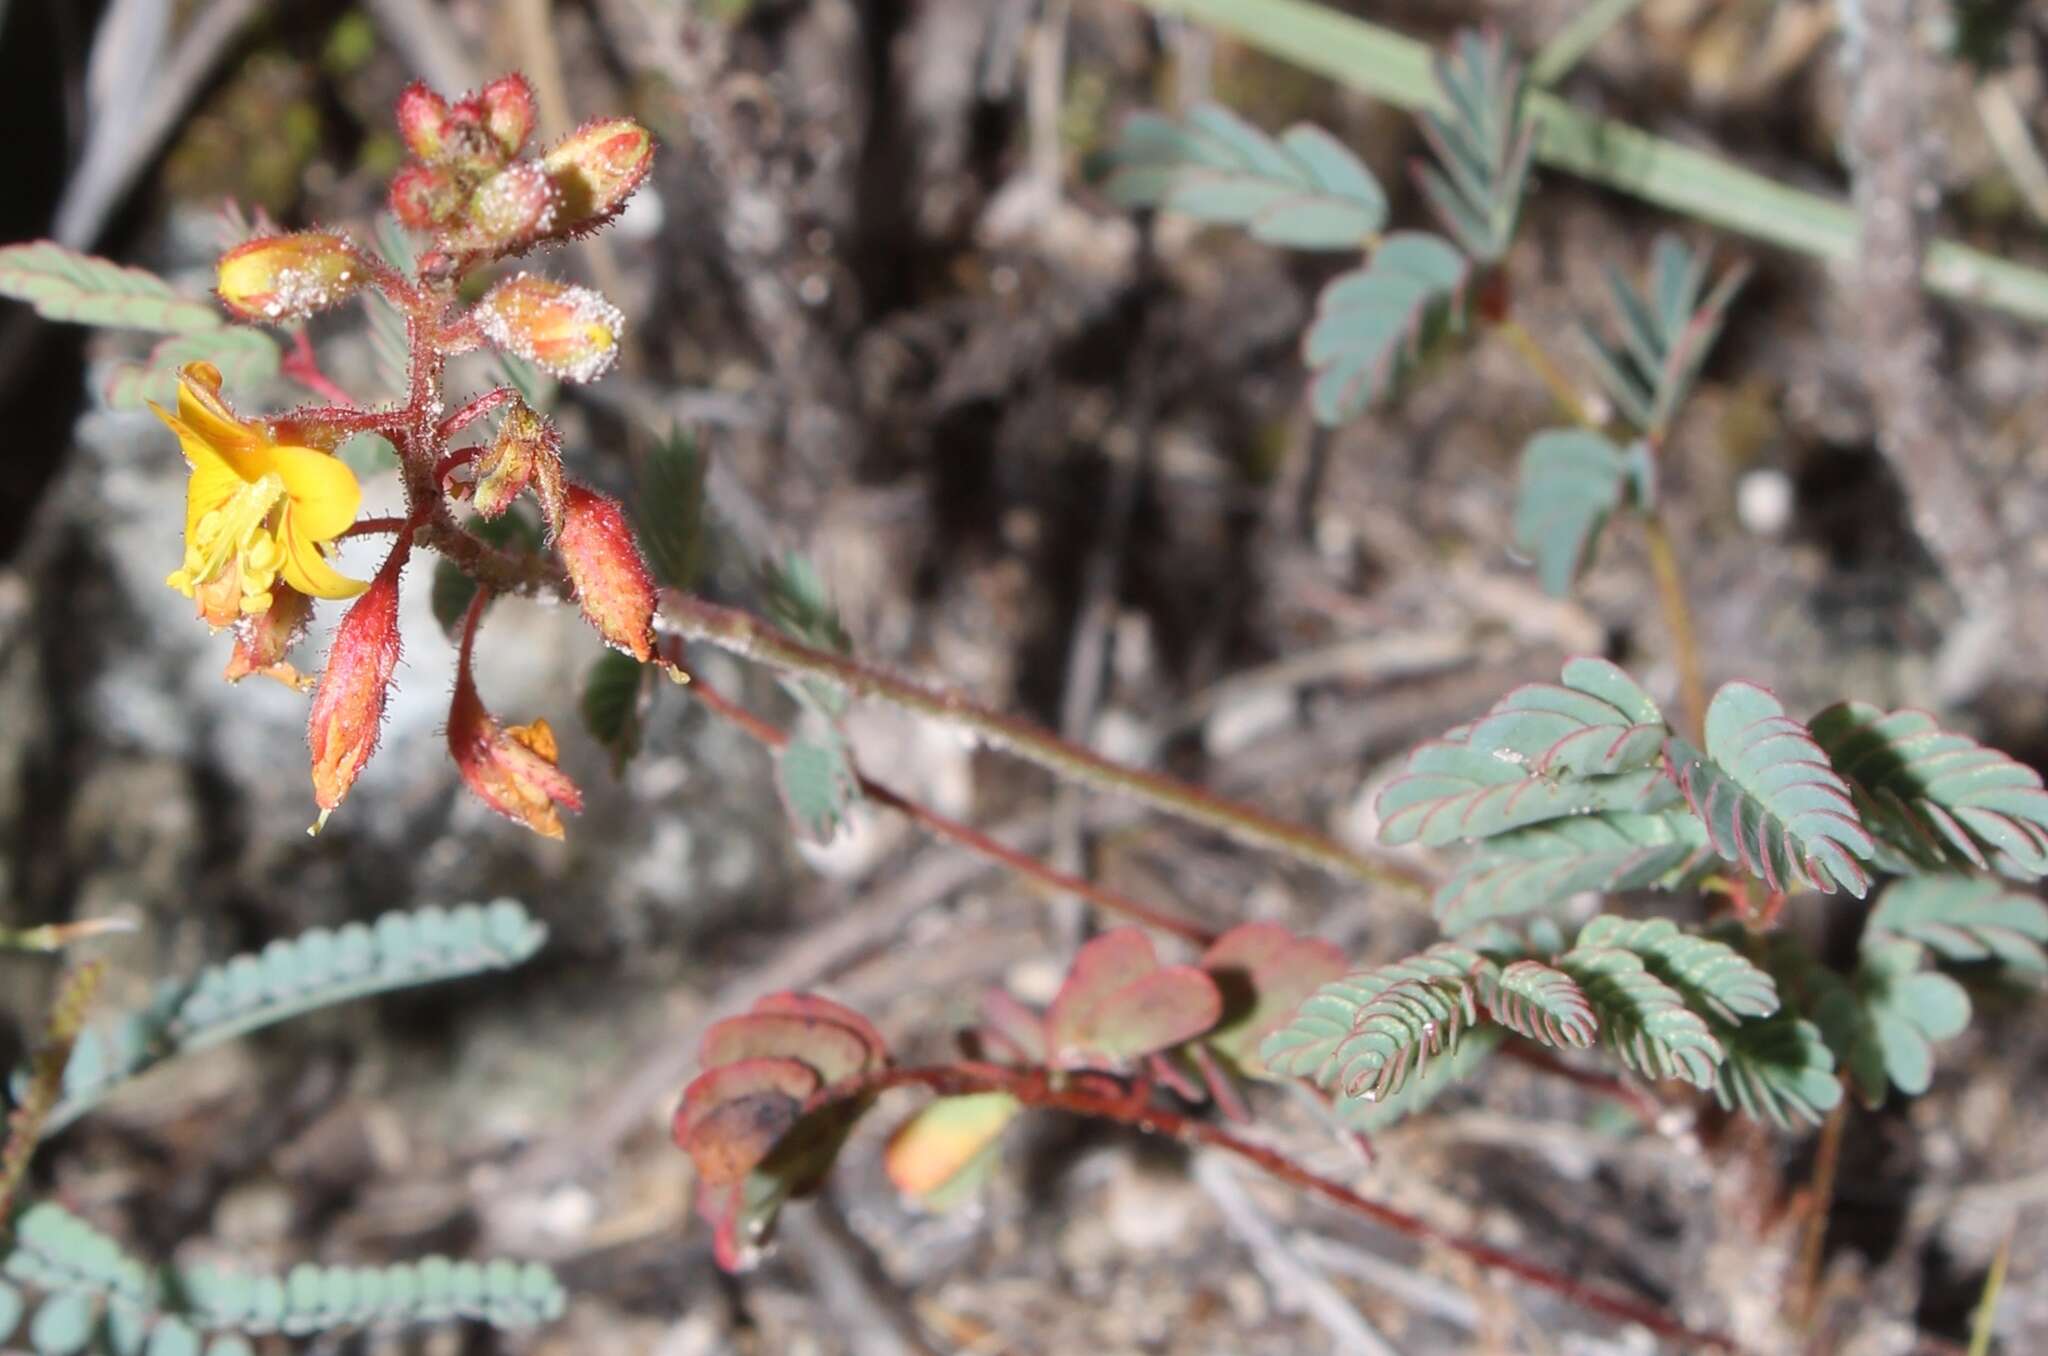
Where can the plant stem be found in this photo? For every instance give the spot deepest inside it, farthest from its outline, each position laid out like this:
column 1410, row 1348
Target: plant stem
column 1685, row 645
column 1133, row 1107
column 1827, row 1156
column 46, row 1078
column 952, row 830
column 1380, row 62
column 1546, row 369
column 1571, row 43
column 751, row 638
column 372, row 527
column 301, row 366
column 1643, row 1106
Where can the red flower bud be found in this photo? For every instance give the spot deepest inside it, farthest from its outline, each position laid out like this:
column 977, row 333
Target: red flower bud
column 527, row 451
column 288, row 277
column 611, row 580
column 424, row 196
column 597, row 167
column 262, row 641
column 422, row 121
column 348, row 707
column 572, row 332
column 509, row 768
column 508, row 111
column 512, row 209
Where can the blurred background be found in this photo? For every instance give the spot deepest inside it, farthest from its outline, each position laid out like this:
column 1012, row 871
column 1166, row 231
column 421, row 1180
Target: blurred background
column 1041, row 451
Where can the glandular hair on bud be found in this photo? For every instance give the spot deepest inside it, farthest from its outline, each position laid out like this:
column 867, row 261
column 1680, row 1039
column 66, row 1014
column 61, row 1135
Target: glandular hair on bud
column 597, row 167
column 612, row 583
column 289, row 277
column 572, row 332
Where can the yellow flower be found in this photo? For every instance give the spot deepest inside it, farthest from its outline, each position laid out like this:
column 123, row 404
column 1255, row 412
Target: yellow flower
column 255, row 511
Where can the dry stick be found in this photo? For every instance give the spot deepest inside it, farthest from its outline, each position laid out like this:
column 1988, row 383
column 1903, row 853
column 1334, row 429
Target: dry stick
column 1110, row 901
column 1037, row 1088
column 751, row 638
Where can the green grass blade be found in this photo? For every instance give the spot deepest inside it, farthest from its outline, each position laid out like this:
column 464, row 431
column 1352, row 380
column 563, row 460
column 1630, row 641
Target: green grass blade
column 1386, row 65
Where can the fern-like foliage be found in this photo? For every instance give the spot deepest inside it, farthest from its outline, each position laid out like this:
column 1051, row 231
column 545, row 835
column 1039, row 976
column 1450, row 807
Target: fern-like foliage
column 99, row 1297
column 1362, row 1036
column 1939, row 800
column 1644, row 1020
column 1304, row 189
column 1544, row 752
column 1964, row 918
column 1715, row 979
column 63, row 284
column 1482, row 143
column 1571, row 480
column 1882, row 1023
column 288, row 978
column 1769, row 797
column 1778, row 1069
column 1543, row 1004
column 1528, row 869
column 1373, row 324
column 1664, row 334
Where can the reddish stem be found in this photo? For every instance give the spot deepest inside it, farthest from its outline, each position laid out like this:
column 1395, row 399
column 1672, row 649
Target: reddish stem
column 301, row 366
column 1642, row 1105
column 371, row 527
column 1110, row 901
column 1035, row 1087
column 475, row 410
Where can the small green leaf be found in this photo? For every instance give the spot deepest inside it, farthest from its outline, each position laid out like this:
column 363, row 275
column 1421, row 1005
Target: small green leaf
column 1571, row 480
column 1430, row 1082
column 1964, row 918
column 1531, row 868
column 63, row 1324
column 1778, row 1069
column 613, row 690
column 247, row 358
column 1482, row 144
column 1362, row 1037
column 1664, row 334
column 63, row 284
column 1769, row 798
column 1543, row 1004
column 1717, row 980
column 1642, row 1019
column 668, row 507
column 801, row 605
column 1374, row 323
column 818, row 784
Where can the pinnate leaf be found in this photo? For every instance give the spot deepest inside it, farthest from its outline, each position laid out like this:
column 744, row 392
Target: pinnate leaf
column 1482, row 144
column 1120, row 1004
column 1778, row 1069
column 1771, row 801
column 1664, row 334
column 1941, row 799
column 1965, row 918
column 1642, row 1019
column 1541, row 1003
column 1715, row 978
column 612, row 693
column 1362, row 1036
column 1530, row 868
column 1545, row 751
column 63, row 284
column 1304, row 190
column 1374, row 323
column 668, row 509
column 818, row 783
column 1571, row 480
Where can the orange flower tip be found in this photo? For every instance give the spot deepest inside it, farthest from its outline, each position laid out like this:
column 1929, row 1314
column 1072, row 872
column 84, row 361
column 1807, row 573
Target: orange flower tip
column 571, row 332
column 508, row 111
column 597, row 167
column 289, row 277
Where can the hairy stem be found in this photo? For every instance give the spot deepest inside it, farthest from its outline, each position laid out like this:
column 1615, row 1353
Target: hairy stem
column 1133, row 1107
column 953, row 831
column 751, row 638
column 1685, row 644
column 46, row 1078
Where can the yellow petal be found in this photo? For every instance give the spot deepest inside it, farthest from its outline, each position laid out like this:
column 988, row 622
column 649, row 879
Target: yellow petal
column 324, row 492
column 305, row 569
column 216, row 472
column 207, row 415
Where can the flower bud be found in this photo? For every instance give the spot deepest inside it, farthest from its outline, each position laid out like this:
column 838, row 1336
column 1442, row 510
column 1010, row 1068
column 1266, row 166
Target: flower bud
column 527, row 451
column 348, row 707
column 422, row 121
column 263, row 641
column 571, row 332
column 288, row 277
column 510, row 210
column 611, row 580
column 511, row 768
column 508, row 111
column 597, row 167
column 424, row 196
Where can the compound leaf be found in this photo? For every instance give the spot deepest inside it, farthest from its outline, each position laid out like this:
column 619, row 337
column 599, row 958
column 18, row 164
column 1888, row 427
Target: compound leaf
column 1530, row 868
column 1715, row 978
column 1571, row 480
column 1940, row 799
column 818, row 783
column 1964, row 918
column 1545, row 751
column 1305, row 190
column 1771, row 801
column 1374, row 323
column 1545, row 1005
column 1778, row 1069
column 668, row 508
column 63, row 284
column 1643, row 1020
column 1664, row 334
column 1362, row 1036
column 1482, row 143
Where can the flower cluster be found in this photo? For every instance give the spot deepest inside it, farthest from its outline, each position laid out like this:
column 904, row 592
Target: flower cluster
column 268, row 499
